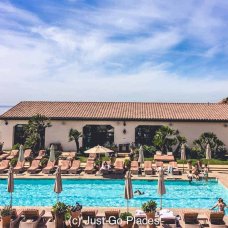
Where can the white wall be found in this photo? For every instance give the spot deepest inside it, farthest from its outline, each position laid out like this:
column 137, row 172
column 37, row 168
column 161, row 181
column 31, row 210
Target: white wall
column 59, row 131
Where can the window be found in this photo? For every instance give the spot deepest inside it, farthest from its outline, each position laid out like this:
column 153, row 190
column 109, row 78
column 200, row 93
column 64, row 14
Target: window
column 19, row 134
column 94, row 135
column 144, row 134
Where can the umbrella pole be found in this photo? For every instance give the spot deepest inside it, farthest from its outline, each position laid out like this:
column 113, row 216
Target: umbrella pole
column 11, row 199
column 57, row 197
column 127, row 206
column 183, row 166
column 161, row 202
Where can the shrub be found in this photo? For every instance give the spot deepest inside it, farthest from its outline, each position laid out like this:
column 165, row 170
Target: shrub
column 6, row 211
column 218, row 149
column 61, row 209
column 149, row 151
column 13, row 162
column 75, row 208
column 43, row 162
column 127, row 163
column 149, row 206
column 16, row 146
column 125, row 216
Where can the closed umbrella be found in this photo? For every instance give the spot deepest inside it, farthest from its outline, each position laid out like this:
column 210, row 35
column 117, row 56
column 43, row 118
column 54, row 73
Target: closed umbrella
column 58, row 182
column 10, row 184
column 52, row 154
column 141, row 155
column 183, row 154
column 21, row 157
column 161, row 185
column 128, row 191
column 208, row 152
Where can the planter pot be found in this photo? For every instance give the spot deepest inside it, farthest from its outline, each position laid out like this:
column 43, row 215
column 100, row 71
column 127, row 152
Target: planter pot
column 6, row 221
column 151, row 215
column 124, row 224
column 75, row 219
column 59, row 220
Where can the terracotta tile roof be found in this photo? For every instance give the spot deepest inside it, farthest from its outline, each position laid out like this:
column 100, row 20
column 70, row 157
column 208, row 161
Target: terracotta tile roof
column 120, row 111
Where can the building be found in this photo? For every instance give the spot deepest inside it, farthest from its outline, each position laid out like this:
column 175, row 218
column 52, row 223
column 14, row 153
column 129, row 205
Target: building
column 114, row 122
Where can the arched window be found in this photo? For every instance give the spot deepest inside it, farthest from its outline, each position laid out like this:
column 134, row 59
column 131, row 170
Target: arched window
column 19, row 134
column 94, row 135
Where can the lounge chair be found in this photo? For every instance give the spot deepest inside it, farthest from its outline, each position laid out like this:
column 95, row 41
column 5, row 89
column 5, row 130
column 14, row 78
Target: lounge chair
column 158, row 164
column 31, row 218
column 111, row 216
column 215, row 219
column 119, row 166
column 4, row 165
column 34, row 166
column 65, row 165
column 75, row 167
column 190, row 220
column 13, row 154
column 27, row 153
column 3, row 155
column 19, row 167
column 148, row 168
column 49, row 168
column 16, row 216
column 92, row 157
column 89, row 169
column 40, row 155
column 71, row 156
column 89, row 215
column 134, row 167
column 175, row 169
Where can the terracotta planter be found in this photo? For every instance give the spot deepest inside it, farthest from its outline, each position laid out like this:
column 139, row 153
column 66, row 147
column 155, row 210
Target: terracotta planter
column 151, row 215
column 124, row 224
column 75, row 218
column 6, row 221
column 59, row 220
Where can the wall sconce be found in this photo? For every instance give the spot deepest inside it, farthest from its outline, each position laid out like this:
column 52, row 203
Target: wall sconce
column 124, row 123
column 6, row 122
column 124, row 131
column 225, row 125
column 170, row 124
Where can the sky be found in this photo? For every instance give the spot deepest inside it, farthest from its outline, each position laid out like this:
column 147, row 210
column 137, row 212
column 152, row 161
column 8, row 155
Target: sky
column 113, row 50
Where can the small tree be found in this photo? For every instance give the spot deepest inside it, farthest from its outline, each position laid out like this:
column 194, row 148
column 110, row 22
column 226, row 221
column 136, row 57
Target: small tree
column 218, row 149
column 35, row 132
column 74, row 135
column 225, row 100
column 167, row 139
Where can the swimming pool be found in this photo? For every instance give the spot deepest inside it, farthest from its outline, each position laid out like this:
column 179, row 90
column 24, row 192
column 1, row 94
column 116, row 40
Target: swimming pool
column 103, row 193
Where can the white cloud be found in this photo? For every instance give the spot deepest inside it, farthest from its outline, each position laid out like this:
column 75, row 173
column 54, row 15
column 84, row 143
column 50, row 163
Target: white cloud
column 115, row 51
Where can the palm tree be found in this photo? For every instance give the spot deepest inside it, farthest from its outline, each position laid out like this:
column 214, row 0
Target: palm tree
column 74, row 135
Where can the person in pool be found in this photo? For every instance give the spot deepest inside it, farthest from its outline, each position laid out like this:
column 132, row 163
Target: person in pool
column 190, row 176
column 138, row 192
column 221, row 205
column 205, row 172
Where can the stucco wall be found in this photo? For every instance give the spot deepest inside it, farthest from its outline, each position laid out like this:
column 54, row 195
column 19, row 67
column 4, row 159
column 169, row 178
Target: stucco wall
column 59, row 131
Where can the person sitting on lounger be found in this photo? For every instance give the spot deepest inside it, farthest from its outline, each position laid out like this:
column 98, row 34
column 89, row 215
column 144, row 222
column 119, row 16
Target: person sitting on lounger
column 190, row 176
column 196, row 172
column 221, row 205
column 138, row 192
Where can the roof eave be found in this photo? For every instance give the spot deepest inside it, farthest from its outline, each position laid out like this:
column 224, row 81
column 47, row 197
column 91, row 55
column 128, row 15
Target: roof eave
column 120, row 119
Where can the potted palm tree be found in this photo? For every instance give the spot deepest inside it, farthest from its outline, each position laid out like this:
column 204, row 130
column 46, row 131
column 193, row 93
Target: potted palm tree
column 61, row 213
column 150, row 208
column 127, row 220
column 6, row 213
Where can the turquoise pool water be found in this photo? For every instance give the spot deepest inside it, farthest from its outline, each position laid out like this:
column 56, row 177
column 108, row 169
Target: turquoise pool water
column 179, row 194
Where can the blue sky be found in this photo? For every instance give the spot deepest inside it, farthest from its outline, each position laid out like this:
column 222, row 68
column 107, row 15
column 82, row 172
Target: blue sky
column 110, row 50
